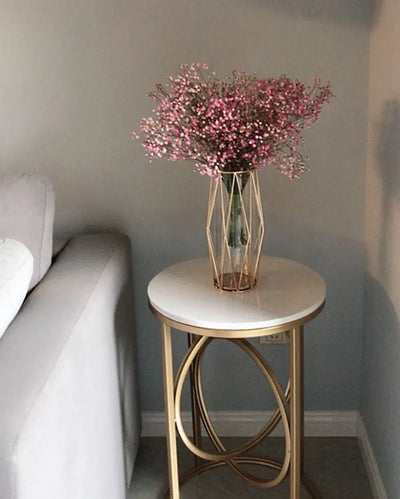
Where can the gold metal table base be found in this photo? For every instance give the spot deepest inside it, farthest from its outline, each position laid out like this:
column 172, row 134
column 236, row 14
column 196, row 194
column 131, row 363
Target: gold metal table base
column 305, row 482
column 289, row 412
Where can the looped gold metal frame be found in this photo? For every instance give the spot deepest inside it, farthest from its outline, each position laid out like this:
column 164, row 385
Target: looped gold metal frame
column 289, row 411
column 193, row 358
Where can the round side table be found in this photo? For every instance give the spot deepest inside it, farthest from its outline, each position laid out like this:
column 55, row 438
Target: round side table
column 287, row 296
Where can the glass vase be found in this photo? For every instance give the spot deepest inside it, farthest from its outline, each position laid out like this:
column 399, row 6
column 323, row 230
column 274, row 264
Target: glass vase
column 235, row 230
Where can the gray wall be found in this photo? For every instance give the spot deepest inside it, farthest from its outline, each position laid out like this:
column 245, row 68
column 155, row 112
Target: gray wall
column 74, row 81
column 381, row 353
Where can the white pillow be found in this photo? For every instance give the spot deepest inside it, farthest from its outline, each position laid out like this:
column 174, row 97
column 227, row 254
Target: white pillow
column 16, row 268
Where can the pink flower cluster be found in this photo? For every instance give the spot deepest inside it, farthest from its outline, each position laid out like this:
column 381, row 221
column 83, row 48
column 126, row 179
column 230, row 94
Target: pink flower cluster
column 239, row 124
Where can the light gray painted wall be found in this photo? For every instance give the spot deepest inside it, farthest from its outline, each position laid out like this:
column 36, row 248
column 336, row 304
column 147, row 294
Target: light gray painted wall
column 381, row 353
column 73, row 85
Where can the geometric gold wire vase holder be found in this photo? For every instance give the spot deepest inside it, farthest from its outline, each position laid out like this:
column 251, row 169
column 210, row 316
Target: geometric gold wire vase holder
column 235, row 230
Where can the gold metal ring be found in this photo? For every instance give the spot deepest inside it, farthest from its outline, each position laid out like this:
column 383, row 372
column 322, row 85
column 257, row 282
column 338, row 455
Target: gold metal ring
column 232, row 458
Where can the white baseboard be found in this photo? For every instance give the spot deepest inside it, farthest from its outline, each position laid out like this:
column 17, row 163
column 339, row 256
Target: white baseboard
column 248, row 423
column 316, row 424
column 370, row 462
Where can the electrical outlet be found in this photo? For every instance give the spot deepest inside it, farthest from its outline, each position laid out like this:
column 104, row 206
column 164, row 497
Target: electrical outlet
column 275, row 339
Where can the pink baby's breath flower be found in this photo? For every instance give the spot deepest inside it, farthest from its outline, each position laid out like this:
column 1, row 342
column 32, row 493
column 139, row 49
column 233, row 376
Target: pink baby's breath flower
column 243, row 123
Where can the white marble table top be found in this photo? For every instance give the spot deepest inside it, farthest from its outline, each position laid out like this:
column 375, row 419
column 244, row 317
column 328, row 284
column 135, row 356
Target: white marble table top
column 286, row 291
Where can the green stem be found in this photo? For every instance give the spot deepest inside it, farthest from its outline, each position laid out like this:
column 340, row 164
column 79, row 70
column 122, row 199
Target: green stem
column 237, row 235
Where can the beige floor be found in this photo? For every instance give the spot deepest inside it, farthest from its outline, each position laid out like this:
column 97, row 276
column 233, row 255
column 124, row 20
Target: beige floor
column 333, row 464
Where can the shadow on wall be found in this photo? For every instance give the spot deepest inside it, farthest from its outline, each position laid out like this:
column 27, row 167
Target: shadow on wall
column 358, row 12
column 381, row 371
column 381, row 350
column 388, row 168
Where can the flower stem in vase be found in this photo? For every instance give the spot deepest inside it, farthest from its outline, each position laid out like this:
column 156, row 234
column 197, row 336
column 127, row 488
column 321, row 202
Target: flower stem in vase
column 235, row 185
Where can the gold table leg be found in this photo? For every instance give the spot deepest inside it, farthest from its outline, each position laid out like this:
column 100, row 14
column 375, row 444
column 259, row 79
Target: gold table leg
column 168, row 371
column 296, row 410
column 196, row 419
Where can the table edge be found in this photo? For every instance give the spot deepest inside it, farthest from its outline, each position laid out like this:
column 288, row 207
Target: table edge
column 236, row 332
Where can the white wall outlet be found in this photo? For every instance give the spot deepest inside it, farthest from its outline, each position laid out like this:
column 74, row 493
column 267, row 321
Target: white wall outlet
column 274, row 338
